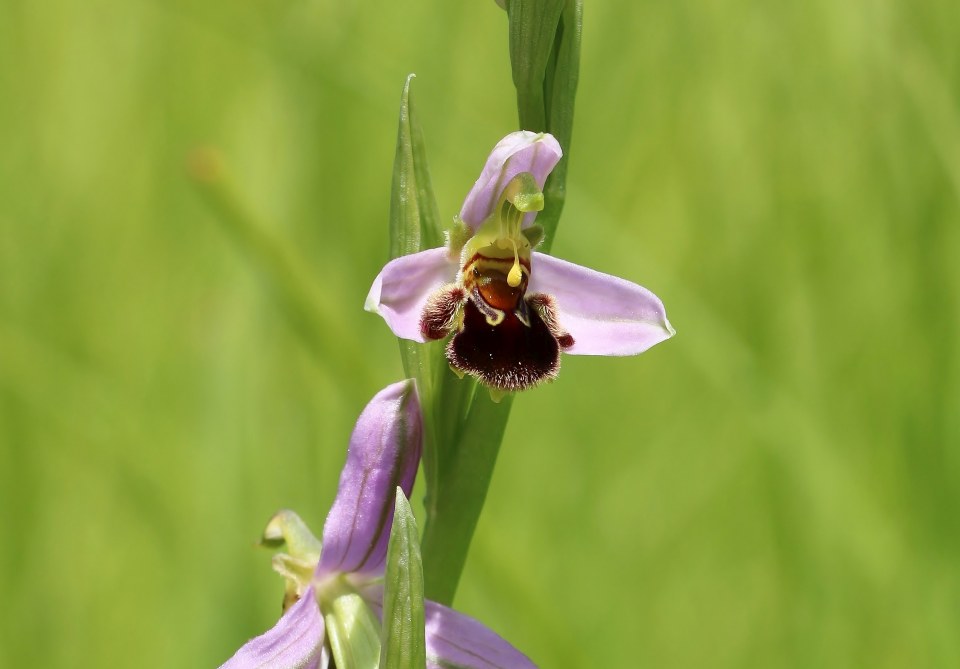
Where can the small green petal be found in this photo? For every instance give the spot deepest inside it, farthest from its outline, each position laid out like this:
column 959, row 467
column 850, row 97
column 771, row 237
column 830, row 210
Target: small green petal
column 524, row 193
column 534, row 235
column 287, row 530
column 458, row 235
column 354, row 632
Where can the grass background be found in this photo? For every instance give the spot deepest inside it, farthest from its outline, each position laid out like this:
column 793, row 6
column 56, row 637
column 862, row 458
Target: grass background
column 778, row 486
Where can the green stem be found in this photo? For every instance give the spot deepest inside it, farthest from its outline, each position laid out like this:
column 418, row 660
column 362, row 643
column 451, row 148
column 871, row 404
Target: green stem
column 462, row 487
column 545, row 60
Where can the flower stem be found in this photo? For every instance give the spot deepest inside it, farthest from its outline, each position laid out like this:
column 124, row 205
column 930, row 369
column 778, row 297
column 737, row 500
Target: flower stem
column 465, row 470
column 545, row 60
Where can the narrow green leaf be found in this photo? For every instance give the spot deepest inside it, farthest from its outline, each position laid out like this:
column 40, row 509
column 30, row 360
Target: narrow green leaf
column 402, row 639
column 414, row 218
column 415, row 226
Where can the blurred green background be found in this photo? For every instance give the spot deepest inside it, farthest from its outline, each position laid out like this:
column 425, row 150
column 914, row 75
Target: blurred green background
column 777, row 486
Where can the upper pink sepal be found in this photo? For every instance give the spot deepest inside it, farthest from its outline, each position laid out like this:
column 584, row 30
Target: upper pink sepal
column 521, row 151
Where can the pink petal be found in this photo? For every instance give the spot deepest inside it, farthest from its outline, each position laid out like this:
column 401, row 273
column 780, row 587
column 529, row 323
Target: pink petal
column 400, row 291
column 384, row 453
column 605, row 315
column 522, row 151
column 456, row 640
column 295, row 642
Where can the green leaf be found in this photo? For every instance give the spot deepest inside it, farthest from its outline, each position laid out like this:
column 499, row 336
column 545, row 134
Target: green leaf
column 402, row 639
column 445, row 407
column 414, row 219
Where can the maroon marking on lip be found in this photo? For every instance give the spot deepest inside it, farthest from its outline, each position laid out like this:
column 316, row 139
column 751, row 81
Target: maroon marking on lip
column 479, row 256
column 440, row 314
column 508, row 356
column 547, row 310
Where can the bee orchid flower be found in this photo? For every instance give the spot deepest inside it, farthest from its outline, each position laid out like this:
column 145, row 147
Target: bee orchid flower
column 334, row 592
column 510, row 309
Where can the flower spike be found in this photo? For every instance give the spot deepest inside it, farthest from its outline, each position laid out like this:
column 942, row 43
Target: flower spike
column 508, row 310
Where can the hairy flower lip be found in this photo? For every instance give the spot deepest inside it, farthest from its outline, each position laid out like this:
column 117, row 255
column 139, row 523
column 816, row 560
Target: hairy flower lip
column 513, row 353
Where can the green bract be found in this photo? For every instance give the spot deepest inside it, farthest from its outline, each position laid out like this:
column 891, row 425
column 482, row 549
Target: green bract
column 402, row 639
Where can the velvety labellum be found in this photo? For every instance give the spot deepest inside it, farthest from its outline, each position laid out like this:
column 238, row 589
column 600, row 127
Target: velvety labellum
column 508, row 340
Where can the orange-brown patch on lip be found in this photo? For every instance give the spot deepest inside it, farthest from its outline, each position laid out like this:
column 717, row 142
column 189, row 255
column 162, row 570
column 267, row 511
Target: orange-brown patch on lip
column 497, row 292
